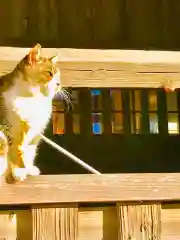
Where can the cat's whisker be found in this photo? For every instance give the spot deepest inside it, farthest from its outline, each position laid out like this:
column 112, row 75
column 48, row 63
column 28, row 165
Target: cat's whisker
column 67, row 93
column 66, row 96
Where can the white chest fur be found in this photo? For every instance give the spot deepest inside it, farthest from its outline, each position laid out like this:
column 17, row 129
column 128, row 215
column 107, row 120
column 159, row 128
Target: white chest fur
column 35, row 109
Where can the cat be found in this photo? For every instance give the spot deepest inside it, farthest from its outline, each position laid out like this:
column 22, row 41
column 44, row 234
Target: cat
column 26, row 96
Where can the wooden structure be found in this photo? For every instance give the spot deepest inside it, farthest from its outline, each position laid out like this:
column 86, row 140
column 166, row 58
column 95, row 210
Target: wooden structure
column 107, row 68
column 84, row 207
column 127, row 72
column 79, row 207
column 91, row 24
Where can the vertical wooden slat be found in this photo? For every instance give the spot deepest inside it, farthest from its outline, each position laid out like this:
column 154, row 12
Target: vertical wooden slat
column 178, row 106
column 5, row 20
column 110, row 223
column 74, row 23
column 170, row 215
column 145, row 117
column 162, row 112
column 8, row 226
column 85, row 112
column 32, row 22
column 42, row 6
column 107, row 113
column 24, row 224
column 55, row 223
column 141, row 222
column 144, row 23
column 108, row 23
column 18, row 18
column 171, row 31
column 68, row 123
column 90, row 223
column 53, row 20
column 126, row 111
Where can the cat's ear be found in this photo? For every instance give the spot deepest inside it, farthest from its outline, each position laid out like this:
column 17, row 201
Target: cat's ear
column 55, row 58
column 34, row 54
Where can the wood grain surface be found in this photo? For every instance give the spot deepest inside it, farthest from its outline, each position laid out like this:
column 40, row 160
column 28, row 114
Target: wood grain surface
column 107, row 68
column 92, row 188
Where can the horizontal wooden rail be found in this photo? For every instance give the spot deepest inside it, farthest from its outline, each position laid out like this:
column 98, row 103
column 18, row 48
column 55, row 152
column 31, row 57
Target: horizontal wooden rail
column 107, row 68
column 92, row 188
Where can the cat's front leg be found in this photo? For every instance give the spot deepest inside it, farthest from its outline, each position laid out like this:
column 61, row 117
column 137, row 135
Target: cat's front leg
column 16, row 170
column 3, row 153
column 29, row 149
column 29, row 154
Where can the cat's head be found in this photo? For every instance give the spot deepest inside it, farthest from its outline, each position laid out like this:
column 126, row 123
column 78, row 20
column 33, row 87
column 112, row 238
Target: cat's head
column 40, row 71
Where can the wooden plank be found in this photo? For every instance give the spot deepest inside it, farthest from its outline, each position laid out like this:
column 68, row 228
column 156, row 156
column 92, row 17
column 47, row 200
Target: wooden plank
column 90, row 223
column 18, row 19
column 86, row 112
column 98, row 223
column 108, row 18
column 24, row 224
column 162, row 112
column 171, row 32
column 107, row 68
column 144, row 23
column 107, row 112
column 142, row 222
column 126, row 111
column 170, row 215
column 145, row 114
column 110, row 223
column 8, row 225
column 75, row 23
column 55, row 223
column 92, row 188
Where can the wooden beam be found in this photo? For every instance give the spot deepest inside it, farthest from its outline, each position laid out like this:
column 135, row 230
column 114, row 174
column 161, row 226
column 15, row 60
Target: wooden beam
column 92, row 188
column 107, row 68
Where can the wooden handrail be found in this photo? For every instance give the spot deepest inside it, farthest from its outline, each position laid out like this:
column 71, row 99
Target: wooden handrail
column 92, row 188
column 107, row 68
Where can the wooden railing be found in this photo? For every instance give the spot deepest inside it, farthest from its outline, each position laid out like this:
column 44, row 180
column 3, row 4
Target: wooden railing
column 85, row 207
column 96, row 207
column 107, row 68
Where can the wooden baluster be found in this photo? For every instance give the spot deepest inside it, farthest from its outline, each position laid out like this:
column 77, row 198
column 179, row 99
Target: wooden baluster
column 55, row 222
column 142, row 222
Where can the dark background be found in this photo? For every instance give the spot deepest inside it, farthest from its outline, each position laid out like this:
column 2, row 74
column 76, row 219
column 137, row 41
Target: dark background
column 140, row 24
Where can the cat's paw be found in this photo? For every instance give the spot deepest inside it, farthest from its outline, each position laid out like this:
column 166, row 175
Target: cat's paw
column 20, row 174
column 33, row 171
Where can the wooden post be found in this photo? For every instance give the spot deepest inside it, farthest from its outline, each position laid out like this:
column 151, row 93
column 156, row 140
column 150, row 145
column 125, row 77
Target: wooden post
column 55, row 222
column 139, row 222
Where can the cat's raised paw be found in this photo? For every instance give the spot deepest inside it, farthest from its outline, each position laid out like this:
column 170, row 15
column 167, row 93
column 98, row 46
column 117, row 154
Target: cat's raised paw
column 33, row 171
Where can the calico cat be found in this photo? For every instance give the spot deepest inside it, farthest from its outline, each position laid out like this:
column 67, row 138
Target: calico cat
column 26, row 96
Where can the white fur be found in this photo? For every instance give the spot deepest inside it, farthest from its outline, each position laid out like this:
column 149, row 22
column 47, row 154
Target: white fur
column 3, row 153
column 35, row 109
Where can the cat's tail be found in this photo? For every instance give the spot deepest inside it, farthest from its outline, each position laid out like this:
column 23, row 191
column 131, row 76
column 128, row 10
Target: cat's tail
column 3, row 153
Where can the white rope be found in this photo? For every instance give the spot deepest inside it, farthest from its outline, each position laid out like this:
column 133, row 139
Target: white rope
column 70, row 155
